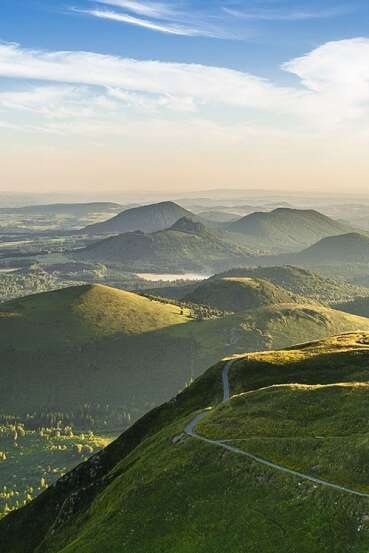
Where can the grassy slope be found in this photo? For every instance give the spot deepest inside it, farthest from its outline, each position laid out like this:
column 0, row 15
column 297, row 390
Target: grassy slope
column 238, row 294
column 302, row 282
column 320, row 429
column 144, row 493
column 93, row 344
column 81, row 314
column 269, row 327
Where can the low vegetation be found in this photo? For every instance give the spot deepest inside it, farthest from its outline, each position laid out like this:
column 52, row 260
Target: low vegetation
column 311, row 398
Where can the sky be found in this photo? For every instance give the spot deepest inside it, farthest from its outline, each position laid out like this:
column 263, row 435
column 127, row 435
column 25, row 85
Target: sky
column 107, row 96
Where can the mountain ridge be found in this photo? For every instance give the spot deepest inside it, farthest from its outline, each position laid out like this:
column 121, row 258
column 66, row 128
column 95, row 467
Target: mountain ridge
column 101, row 504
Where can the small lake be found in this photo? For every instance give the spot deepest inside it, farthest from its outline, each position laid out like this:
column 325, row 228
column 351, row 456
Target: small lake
column 167, row 277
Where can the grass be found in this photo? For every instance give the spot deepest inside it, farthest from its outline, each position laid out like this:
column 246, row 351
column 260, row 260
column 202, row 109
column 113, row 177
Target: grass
column 321, row 430
column 304, row 283
column 146, row 493
column 83, row 313
column 269, row 327
column 239, row 293
column 93, row 344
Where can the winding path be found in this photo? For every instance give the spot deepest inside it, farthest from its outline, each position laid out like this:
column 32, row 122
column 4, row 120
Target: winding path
column 190, row 430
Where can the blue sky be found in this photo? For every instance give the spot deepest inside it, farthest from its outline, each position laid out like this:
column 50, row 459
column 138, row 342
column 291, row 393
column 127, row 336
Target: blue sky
column 258, row 35
column 94, row 93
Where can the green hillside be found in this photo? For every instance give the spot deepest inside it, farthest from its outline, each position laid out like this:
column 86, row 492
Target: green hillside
column 336, row 250
column 147, row 218
column 280, row 466
column 287, row 229
column 95, row 345
column 238, row 294
column 269, row 327
column 82, row 314
column 302, row 282
column 92, row 345
column 187, row 246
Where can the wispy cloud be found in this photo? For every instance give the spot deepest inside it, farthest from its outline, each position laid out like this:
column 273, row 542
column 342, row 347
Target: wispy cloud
column 158, row 10
column 206, row 84
column 158, row 16
column 168, row 28
column 287, row 15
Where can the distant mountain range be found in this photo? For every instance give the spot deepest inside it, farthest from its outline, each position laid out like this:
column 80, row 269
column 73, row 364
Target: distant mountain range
column 281, row 230
column 148, row 218
column 186, row 246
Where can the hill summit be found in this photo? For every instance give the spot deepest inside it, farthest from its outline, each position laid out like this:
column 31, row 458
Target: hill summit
column 187, row 224
column 346, row 248
column 81, row 314
column 287, row 228
column 239, row 294
column 147, row 218
column 302, row 282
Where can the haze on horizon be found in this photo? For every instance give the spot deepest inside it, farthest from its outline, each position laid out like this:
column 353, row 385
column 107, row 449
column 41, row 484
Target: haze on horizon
column 110, row 95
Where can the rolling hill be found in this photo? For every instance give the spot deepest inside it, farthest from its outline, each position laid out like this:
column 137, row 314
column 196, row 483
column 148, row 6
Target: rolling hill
column 238, row 294
column 147, row 218
column 82, row 314
column 287, row 229
column 92, row 344
column 279, row 438
column 269, row 327
column 335, row 250
column 302, row 282
column 187, row 246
